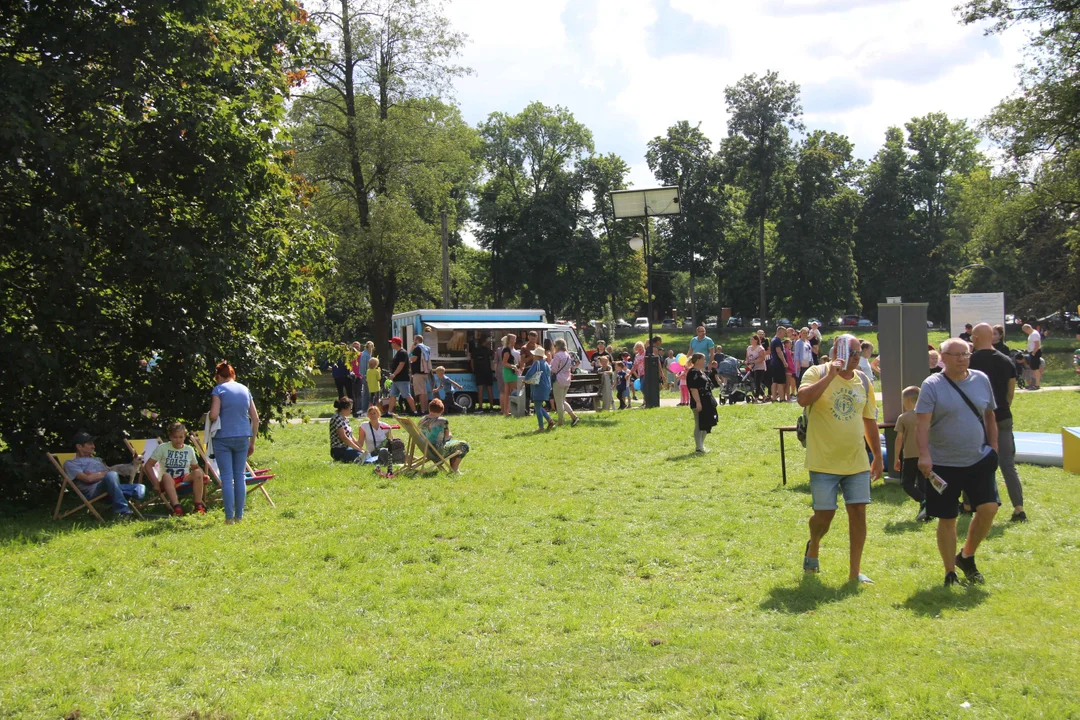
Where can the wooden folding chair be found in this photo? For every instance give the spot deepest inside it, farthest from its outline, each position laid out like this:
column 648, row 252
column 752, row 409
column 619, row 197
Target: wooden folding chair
column 69, row 484
column 419, row 452
column 252, row 478
column 138, row 450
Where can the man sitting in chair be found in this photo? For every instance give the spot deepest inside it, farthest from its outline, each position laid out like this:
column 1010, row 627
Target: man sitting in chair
column 436, row 429
column 181, row 465
column 93, row 476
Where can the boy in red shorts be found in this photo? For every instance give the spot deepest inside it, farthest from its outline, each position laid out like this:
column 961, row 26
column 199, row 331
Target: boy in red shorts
column 180, row 464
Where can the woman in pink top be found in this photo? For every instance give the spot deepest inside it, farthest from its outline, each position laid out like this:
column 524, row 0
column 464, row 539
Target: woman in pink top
column 638, row 369
column 561, row 367
column 755, row 362
column 791, row 387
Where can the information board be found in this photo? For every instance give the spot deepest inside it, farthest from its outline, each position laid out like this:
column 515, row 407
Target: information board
column 975, row 308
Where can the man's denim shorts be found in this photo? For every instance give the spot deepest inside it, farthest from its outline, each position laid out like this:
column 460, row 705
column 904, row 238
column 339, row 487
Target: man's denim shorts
column 402, row 388
column 824, row 487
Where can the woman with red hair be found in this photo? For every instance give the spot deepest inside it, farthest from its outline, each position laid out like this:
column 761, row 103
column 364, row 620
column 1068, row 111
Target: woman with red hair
column 231, row 403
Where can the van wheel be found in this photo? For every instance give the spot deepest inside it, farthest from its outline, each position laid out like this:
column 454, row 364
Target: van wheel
column 465, row 402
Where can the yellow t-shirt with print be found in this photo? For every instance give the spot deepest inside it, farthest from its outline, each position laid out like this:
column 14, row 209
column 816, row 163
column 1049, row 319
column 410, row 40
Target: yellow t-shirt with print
column 834, row 434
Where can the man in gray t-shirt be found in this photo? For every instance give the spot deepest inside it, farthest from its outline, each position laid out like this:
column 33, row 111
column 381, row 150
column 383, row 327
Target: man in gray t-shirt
column 957, row 436
column 93, row 477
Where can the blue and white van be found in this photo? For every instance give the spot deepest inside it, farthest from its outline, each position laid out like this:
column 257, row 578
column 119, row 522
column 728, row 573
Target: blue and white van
column 451, row 333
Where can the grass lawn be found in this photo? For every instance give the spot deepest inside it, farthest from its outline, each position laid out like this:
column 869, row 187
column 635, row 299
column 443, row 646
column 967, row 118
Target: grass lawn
column 604, row 571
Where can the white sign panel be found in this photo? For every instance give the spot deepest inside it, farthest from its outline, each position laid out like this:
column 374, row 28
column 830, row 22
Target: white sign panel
column 975, row 308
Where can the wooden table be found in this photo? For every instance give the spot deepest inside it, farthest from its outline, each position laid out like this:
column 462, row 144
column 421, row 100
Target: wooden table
column 791, row 428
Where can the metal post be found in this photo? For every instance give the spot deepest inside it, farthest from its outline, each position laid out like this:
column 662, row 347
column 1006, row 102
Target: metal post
column 445, row 262
column 651, row 386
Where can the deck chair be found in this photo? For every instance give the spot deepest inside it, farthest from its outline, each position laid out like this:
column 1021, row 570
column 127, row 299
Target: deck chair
column 252, row 478
column 68, row 484
column 140, row 452
column 419, row 452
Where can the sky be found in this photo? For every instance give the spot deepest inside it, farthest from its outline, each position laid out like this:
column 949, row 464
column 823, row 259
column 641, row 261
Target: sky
column 628, row 69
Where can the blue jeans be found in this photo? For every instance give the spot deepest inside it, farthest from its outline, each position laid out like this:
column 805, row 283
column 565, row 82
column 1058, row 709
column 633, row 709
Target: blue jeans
column 117, row 491
column 541, row 413
column 231, row 455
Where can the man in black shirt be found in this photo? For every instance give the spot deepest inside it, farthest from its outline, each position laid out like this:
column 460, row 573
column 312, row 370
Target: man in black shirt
column 966, row 335
column 1002, row 373
column 399, row 378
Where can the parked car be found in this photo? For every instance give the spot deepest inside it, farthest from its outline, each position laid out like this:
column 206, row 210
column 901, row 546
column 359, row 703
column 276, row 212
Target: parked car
column 710, row 322
column 642, row 323
column 734, row 322
column 621, row 323
column 849, row 320
column 756, row 322
column 783, row 321
column 863, row 322
column 930, row 324
column 669, row 324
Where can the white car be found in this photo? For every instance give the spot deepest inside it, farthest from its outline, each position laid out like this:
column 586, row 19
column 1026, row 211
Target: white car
column 641, row 324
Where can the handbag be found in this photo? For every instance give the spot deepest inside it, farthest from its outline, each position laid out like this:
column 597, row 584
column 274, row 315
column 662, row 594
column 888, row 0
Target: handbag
column 986, row 434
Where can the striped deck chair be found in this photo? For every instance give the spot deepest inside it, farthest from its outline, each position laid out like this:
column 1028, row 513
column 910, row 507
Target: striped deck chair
column 419, row 452
column 252, row 478
column 68, row 484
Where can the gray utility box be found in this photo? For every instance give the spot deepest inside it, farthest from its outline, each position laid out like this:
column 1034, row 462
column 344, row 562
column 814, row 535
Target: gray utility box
column 903, row 361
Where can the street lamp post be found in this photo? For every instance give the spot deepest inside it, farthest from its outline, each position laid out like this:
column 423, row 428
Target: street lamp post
column 627, row 204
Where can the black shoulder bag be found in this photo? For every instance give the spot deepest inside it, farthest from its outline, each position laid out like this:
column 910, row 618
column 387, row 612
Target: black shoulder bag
column 982, row 422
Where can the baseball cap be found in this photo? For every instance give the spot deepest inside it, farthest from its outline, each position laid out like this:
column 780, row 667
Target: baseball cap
column 82, row 437
column 396, row 341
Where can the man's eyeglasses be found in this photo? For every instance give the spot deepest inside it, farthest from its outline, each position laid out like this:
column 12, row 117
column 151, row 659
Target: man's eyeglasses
column 962, row 356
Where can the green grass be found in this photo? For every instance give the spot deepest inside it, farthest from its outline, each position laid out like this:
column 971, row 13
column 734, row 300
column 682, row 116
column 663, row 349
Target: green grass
column 604, row 571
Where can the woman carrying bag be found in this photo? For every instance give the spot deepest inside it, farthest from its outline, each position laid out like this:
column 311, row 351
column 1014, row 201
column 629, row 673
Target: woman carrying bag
column 702, row 402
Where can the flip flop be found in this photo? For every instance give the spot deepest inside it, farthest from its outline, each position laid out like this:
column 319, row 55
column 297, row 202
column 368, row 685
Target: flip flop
column 809, row 564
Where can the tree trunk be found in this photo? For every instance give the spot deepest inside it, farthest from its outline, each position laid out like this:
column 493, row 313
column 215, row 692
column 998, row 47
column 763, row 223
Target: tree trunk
column 693, row 297
column 359, row 186
column 761, row 251
column 382, row 294
column 719, row 294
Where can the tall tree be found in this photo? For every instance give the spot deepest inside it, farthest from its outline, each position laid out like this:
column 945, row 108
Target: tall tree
column 531, row 203
column 814, row 268
column 375, row 135
column 942, row 153
column 762, row 111
column 148, row 208
column 684, row 157
column 884, row 241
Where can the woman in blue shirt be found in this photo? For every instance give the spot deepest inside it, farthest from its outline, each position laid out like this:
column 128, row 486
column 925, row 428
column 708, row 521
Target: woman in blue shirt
column 234, row 442
column 541, row 390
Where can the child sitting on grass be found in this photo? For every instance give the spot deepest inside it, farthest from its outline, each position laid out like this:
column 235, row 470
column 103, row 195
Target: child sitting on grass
column 914, row 483
column 180, row 465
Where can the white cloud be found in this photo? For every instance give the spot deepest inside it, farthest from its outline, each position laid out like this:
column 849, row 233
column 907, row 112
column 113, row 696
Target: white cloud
column 629, row 69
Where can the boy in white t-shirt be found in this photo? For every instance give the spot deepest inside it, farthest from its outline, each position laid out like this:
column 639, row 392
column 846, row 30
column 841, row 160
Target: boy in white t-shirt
column 179, row 464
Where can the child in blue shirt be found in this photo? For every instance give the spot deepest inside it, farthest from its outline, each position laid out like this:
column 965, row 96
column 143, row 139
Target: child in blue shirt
column 621, row 387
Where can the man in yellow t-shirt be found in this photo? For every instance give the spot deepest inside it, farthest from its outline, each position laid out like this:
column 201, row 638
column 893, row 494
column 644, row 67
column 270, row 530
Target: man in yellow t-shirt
column 841, row 422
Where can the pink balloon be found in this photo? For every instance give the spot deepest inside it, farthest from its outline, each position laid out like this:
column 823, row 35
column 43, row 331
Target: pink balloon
column 675, row 366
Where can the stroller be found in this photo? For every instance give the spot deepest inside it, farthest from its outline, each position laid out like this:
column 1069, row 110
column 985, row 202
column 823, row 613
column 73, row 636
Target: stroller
column 736, row 381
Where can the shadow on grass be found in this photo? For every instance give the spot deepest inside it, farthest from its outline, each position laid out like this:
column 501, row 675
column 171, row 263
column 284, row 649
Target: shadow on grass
column 895, row 528
column 931, row 601
column 890, row 494
column 685, row 456
column 808, row 596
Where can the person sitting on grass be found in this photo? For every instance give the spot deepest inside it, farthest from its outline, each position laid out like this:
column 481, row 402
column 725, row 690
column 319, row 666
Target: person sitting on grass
column 436, row 430
column 180, row 464
column 541, row 387
column 377, row 434
column 94, row 477
column 343, row 447
column 443, row 385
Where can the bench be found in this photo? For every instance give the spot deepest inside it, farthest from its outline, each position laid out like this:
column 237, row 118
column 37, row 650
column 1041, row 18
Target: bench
column 791, row 428
column 582, row 383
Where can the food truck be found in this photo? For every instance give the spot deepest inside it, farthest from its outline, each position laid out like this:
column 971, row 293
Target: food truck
column 452, row 333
